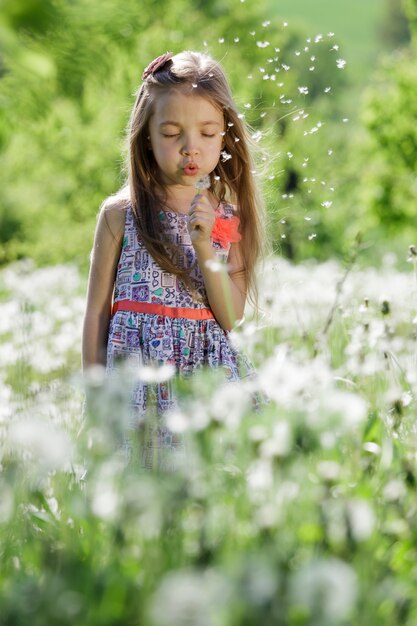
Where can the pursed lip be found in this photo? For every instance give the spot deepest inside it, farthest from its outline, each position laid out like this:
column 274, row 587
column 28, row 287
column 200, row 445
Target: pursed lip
column 190, row 169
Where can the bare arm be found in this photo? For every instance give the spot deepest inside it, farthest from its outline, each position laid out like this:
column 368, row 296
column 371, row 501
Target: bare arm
column 226, row 289
column 104, row 257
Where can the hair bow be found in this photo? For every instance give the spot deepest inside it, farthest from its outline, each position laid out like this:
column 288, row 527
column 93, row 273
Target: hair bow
column 225, row 230
column 156, row 64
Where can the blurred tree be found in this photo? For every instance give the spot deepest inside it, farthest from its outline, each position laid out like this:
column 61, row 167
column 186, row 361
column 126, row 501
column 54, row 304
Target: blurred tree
column 390, row 113
column 394, row 31
column 70, row 69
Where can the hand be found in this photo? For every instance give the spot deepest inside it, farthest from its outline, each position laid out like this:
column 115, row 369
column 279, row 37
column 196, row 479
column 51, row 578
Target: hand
column 201, row 218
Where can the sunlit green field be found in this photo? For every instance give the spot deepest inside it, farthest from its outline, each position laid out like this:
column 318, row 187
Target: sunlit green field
column 300, row 513
column 355, row 23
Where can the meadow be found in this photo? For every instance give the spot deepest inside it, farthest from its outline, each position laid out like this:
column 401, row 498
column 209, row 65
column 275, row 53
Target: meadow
column 293, row 500
column 302, row 512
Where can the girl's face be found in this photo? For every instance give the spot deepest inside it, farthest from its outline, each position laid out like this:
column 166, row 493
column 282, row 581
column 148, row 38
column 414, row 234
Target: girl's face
column 186, row 136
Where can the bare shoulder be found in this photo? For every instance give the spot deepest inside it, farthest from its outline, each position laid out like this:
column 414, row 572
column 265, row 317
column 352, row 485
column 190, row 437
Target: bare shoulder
column 113, row 214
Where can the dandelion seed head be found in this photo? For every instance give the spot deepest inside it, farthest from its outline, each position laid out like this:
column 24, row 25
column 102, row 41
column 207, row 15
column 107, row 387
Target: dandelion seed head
column 214, row 265
column 155, row 374
column 331, row 580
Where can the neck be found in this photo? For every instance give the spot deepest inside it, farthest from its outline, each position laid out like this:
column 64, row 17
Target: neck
column 179, row 198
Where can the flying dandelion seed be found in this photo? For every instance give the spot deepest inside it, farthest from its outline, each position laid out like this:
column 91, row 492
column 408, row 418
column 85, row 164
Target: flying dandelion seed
column 263, row 44
column 335, row 47
column 312, row 68
column 330, row 152
column 307, row 219
column 194, row 85
column 345, row 120
column 290, row 155
column 225, row 156
column 341, row 63
column 285, row 24
column 221, row 40
column 285, row 67
column 303, row 90
column 327, row 204
column 327, row 89
column 312, row 236
column 330, row 34
column 266, row 23
column 297, row 53
column 236, row 39
column 247, row 105
column 318, row 38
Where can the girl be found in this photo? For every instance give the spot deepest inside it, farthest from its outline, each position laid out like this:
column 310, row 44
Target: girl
column 155, row 295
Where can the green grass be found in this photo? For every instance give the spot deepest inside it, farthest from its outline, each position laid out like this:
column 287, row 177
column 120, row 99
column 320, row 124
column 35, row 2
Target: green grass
column 299, row 514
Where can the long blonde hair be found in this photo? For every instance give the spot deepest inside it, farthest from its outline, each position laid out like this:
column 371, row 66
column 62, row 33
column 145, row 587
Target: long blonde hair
column 232, row 180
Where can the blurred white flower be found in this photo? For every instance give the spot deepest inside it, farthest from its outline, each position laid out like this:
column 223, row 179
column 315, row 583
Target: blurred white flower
column 279, row 444
column 327, row 588
column 6, row 502
column 191, row 597
column 394, row 490
column 105, row 501
column 229, row 403
column 156, row 374
column 328, row 470
column 259, row 476
column 361, row 519
column 45, row 445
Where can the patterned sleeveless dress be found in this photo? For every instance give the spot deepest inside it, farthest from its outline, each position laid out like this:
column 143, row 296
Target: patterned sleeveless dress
column 152, row 337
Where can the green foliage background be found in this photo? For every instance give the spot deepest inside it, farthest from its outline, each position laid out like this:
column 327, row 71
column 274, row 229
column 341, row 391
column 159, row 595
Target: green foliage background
column 68, row 73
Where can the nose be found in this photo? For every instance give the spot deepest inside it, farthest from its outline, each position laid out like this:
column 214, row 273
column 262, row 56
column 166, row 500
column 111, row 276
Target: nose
column 190, row 147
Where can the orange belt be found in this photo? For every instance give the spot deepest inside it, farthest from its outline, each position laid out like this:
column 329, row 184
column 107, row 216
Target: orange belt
column 160, row 309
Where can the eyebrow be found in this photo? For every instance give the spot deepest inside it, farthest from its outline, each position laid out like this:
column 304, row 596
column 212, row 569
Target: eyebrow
column 207, row 123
